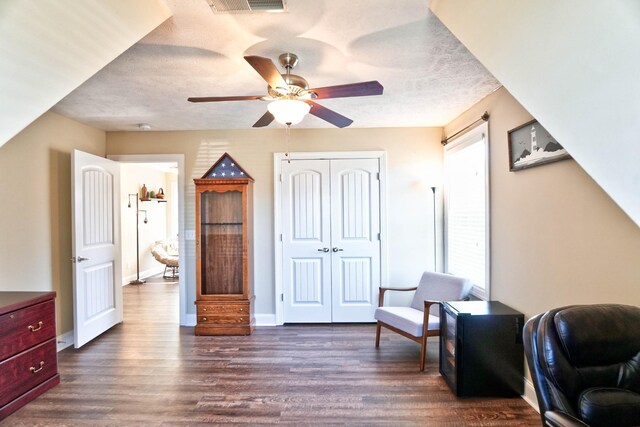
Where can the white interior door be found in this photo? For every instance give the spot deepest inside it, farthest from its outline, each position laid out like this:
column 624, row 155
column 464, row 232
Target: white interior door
column 97, row 287
column 330, row 240
column 306, row 238
column 355, row 239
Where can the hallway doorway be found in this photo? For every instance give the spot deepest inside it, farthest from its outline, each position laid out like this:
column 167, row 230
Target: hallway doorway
column 170, row 213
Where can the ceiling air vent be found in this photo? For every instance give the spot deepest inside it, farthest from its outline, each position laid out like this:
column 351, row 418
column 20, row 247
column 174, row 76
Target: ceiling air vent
column 247, row 6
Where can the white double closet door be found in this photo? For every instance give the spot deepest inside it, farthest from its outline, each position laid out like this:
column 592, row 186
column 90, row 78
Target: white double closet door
column 331, row 240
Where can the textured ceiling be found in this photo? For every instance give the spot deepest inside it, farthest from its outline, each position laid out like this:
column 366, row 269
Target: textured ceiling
column 429, row 77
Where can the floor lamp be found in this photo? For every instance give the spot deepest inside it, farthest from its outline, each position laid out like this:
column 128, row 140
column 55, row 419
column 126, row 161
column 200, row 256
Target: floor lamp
column 435, row 237
column 137, row 281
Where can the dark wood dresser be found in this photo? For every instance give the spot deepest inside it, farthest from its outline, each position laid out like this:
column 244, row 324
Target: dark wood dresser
column 28, row 351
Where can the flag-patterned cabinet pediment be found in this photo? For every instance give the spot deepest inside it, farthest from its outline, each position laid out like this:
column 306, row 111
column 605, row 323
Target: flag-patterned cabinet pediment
column 226, row 168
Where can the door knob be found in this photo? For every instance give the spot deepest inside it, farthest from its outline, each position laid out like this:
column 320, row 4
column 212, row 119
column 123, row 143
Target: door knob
column 325, row 250
column 337, row 249
column 79, row 259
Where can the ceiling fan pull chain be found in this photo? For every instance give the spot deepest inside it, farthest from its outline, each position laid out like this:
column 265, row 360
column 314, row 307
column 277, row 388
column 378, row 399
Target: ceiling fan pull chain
column 287, row 136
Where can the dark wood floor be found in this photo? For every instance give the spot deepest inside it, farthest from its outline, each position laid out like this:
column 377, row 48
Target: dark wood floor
column 149, row 372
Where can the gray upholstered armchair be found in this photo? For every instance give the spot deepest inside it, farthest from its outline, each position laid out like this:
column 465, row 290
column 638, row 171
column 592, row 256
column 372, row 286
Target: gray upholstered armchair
column 422, row 319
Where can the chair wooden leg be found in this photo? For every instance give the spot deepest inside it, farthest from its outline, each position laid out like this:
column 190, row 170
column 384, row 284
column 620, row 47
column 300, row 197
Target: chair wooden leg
column 378, row 327
column 423, row 352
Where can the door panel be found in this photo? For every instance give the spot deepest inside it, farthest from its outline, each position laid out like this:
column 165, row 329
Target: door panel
column 306, row 232
column 355, row 214
column 307, row 281
column 97, row 288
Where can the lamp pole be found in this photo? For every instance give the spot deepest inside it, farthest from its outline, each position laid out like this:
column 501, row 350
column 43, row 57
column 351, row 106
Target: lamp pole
column 435, row 237
column 137, row 281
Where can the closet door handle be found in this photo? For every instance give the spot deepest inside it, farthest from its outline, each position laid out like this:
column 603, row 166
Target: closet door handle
column 325, row 250
column 337, row 249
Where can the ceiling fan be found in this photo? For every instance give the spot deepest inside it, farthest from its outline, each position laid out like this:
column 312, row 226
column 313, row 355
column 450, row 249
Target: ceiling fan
column 290, row 96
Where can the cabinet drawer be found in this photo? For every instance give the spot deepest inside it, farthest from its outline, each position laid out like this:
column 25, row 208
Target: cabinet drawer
column 227, row 318
column 26, row 327
column 26, row 370
column 222, row 309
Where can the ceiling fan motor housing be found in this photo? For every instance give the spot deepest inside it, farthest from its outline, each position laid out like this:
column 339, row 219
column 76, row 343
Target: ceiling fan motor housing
column 288, row 60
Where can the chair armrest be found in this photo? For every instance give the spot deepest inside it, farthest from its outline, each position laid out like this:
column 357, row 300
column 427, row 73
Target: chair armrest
column 428, row 304
column 560, row 419
column 383, row 290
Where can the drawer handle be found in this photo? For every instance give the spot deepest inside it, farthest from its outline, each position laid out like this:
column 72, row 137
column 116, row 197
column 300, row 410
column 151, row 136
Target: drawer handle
column 34, row 370
column 204, row 319
column 204, row 308
column 241, row 309
column 241, row 319
column 35, row 328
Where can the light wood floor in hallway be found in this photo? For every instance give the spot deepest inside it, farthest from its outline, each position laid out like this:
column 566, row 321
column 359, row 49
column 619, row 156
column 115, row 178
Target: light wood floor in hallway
column 150, row 372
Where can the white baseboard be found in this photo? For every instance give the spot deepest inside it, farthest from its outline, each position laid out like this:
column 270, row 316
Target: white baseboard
column 529, row 395
column 190, row 320
column 65, row 340
column 265, row 319
column 143, row 274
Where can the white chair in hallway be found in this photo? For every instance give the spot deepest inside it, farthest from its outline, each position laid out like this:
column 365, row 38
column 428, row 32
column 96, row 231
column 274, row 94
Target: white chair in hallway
column 166, row 252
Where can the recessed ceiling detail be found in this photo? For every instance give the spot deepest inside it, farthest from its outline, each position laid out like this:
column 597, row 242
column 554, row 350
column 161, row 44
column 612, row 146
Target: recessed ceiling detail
column 244, row 6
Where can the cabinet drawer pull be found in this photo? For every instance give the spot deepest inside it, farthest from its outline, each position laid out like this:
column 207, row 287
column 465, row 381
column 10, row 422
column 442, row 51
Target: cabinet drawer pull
column 35, row 370
column 241, row 319
column 204, row 308
column 204, row 319
column 242, row 309
column 35, row 328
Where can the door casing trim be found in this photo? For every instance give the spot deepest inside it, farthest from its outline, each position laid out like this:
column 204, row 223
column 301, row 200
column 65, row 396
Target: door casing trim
column 381, row 156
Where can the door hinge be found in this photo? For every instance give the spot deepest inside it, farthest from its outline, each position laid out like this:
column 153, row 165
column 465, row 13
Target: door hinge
column 280, row 177
column 281, row 237
column 378, row 236
column 378, row 176
column 282, row 297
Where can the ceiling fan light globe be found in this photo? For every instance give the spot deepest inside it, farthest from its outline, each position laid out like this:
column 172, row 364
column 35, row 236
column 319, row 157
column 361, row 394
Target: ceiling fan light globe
column 288, row 111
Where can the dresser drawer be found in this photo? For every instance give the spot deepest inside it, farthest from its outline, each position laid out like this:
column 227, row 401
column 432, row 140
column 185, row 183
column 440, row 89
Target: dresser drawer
column 26, row 370
column 211, row 309
column 26, row 327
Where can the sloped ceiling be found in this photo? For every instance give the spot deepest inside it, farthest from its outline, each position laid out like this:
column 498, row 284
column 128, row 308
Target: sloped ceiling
column 50, row 47
column 428, row 75
column 574, row 65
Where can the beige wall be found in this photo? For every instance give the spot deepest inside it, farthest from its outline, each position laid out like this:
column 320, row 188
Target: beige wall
column 556, row 237
column 414, row 163
column 580, row 81
column 35, row 219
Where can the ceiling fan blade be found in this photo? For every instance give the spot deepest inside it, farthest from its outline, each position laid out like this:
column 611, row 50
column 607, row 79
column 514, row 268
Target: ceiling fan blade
column 263, row 121
column 329, row 115
column 223, row 98
column 267, row 70
column 353, row 89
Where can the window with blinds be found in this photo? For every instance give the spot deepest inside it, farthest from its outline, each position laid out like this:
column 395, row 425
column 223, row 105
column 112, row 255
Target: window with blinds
column 466, row 209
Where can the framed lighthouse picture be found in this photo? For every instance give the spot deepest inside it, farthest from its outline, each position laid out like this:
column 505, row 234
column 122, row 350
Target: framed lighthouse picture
column 531, row 145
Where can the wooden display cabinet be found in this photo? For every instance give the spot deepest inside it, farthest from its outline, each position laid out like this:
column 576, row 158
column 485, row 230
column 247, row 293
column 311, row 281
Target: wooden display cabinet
column 224, row 276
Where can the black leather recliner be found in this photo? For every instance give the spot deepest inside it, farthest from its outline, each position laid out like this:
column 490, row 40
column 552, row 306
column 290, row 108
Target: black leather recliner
column 585, row 365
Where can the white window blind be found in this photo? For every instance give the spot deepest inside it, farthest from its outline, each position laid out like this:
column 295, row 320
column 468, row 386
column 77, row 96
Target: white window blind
column 466, row 212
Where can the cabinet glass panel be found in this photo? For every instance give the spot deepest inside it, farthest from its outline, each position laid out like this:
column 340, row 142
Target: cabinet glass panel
column 221, row 242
